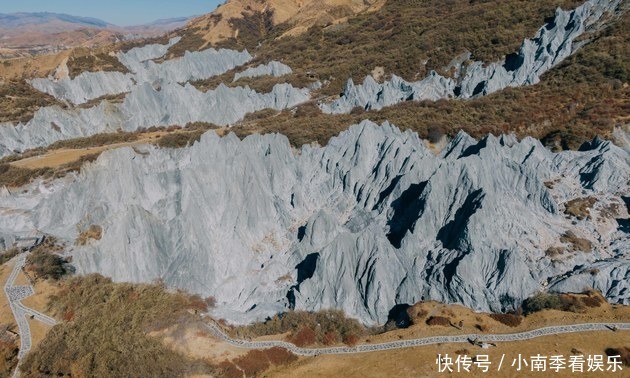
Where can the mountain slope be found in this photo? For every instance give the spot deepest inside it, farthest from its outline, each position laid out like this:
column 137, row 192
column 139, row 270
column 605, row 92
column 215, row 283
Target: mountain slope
column 245, row 16
column 372, row 220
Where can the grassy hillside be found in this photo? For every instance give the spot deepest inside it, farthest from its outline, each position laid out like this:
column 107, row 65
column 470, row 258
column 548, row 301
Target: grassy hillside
column 406, row 37
column 104, row 333
column 19, row 101
column 586, row 95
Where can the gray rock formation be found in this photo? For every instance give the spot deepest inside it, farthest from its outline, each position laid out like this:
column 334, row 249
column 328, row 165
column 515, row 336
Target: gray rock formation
column 370, row 221
column 196, row 65
column 86, row 86
column 272, row 68
column 155, row 97
column 143, row 107
column 554, row 42
column 192, row 66
column 147, row 52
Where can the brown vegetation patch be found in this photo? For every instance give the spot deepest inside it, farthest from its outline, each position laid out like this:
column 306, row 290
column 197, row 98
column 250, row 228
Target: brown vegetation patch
column 305, row 337
column 580, row 207
column 96, row 140
column 306, row 328
column 438, row 321
column 256, row 362
column 576, row 243
column 8, row 255
column 622, row 352
column 180, row 140
column 399, row 37
column 510, row 320
column 86, row 61
column 116, row 344
column 8, row 357
column 45, row 262
column 14, row 177
column 19, row 101
column 555, row 252
column 94, row 232
column 577, row 303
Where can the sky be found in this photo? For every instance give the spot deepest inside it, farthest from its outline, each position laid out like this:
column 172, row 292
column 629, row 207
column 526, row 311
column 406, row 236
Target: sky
column 118, row 12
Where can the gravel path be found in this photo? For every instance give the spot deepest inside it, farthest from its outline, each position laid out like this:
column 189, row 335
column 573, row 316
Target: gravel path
column 16, row 293
column 20, row 312
column 555, row 330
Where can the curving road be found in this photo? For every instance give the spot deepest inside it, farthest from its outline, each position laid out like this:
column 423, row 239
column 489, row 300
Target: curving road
column 15, row 294
column 554, row 330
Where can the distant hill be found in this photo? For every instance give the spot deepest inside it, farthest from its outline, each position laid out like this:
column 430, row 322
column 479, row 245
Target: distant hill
column 32, row 33
column 16, row 20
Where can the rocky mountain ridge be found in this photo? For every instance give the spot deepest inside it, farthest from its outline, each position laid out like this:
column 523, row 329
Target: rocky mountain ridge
column 555, row 41
column 155, row 94
column 370, row 221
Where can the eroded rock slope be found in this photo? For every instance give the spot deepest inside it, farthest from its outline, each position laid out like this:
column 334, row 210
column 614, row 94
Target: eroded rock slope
column 372, row 220
column 554, row 42
column 153, row 94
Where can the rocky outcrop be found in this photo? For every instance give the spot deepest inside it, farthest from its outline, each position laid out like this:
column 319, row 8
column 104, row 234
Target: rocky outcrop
column 272, row 68
column 85, row 87
column 174, row 104
column 139, row 60
column 143, row 107
column 554, row 42
column 156, row 95
column 196, row 65
column 147, row 52
column 372, row 220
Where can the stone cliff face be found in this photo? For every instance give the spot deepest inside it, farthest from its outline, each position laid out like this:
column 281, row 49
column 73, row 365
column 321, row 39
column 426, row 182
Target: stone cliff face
column 369, row 221
column 155, row 94
column 554, row 42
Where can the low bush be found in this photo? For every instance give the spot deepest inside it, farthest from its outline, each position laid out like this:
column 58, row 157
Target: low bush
column 88, row 62
column 19, row 101
column 576, row 243
column 254, row 363
column 47, row 265
column 306, row 328
column 304, row 337
column 579, row 207
column 509, row 320
column 438, row 321
column 94, row 232
column 181, row 139
column 8, row 357
column 563, row 302
column 95, row 140
column 14, row 177
column 622, row 352
column 8, row 255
